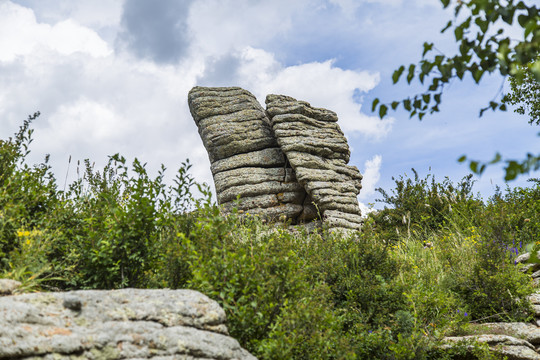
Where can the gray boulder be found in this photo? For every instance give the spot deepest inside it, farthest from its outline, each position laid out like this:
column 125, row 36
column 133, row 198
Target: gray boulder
column 8, row 286
column 116, row 324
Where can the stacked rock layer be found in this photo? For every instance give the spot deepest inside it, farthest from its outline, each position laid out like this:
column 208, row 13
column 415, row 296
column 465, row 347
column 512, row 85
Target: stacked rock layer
column 246, row 161
column 288, row 161
column 318, row 152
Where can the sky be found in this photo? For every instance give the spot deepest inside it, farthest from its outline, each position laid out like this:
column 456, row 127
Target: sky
column 112, row 76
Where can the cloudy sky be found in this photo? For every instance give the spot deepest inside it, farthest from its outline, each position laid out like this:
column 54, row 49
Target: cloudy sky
column 112, row 76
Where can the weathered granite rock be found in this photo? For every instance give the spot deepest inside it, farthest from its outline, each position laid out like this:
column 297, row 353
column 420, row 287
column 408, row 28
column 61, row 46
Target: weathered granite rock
column 117, row 324
column 245, row 159
column 292, row 165
column 318, row 152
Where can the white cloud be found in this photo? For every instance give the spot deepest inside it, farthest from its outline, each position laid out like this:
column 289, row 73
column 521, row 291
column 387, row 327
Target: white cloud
column 68, row 37
column 87, row 121
column 320, row 83
column 371, row 175
column 21, row 34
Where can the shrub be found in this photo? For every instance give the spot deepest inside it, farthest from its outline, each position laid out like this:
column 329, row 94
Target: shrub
column 494, row 289
column 361, row 274
column 117, row 219
column 27, row 194
column 253, row 277
column 420, row 206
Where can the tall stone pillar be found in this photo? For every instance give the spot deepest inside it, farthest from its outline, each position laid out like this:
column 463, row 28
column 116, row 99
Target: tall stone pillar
column 290, row 160
column 246, row 161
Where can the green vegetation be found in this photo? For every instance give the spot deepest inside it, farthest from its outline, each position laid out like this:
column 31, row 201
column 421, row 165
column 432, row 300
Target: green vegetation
column 484, row 46
column 525, row 92
column 437, row 259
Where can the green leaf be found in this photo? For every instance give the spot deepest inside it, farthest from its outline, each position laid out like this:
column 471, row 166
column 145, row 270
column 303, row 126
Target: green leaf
column 410, row 75
column 482, row 24
column 427, row 47
column 531, row 25
column 496, row 159
column 448, row 25
column 512, row 170
column 462, row 158
column 522, row 20
column 397, row 74
column 445, row 3
column 458, row 32
column 394, row 105
column 477, row 75
column 374, row 104
column 535, row 69
column 383, row 109
column 407, row 104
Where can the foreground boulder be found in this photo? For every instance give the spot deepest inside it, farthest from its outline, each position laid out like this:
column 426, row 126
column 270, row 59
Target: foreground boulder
column 116, row 324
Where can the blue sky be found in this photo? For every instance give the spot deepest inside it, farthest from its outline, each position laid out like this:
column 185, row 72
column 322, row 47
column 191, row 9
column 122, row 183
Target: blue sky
column 112, row 76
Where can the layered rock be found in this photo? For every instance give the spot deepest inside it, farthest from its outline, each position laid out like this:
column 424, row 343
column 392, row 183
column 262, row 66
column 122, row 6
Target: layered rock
column 290, row 161
column 318, row 152
column 246, row 161
column 117, row 324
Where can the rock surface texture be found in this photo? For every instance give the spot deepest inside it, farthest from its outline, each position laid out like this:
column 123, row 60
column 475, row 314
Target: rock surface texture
column 288, row 162
column 246, row 161
column 116, row 324
column 318, row 152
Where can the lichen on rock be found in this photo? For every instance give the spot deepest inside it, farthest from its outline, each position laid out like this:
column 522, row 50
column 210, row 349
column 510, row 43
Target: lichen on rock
column 115, row 324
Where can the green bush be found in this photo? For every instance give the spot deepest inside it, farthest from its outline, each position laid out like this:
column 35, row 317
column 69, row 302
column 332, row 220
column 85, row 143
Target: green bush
column 513, row 215
column 361, row 273
column 27, row 194
column 263, row 285
column 117, row 221
column 420, row 206
column 494, row 289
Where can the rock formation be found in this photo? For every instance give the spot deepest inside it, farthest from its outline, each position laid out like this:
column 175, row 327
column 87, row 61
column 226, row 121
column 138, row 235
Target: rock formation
column 246, row 161
column 290, row 161
column 318, row 152
column 116, row 324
